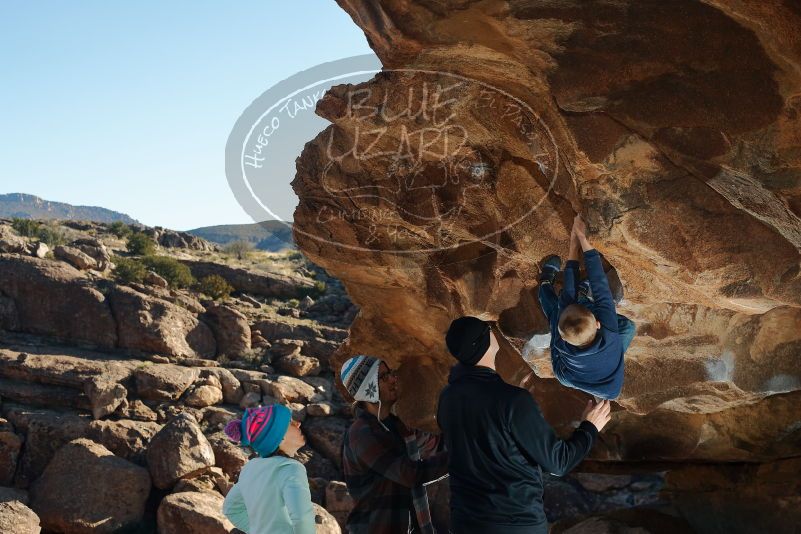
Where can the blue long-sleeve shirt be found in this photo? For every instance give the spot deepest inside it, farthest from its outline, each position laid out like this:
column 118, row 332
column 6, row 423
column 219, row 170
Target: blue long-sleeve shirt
column 597, row 368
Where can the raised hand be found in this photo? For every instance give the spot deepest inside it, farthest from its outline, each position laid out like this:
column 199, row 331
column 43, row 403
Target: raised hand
column 597, row 414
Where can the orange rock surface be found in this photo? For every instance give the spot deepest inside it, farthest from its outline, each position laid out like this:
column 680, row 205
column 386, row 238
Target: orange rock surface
column 674, row 128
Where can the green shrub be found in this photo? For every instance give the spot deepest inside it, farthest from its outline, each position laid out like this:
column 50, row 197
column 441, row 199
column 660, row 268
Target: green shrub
column 293, row 303
column 294, row 255
column 314, row 292
column 240, row 249
column 129, row 270
column 252, row 356
column 173, row 271
column 215, row 286
column 25, row 227
column 141, row 244
column 45, row 232
column 52, row 235
column 120, row 229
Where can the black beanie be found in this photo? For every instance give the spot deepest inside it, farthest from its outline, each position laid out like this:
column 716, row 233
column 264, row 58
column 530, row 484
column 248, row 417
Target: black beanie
column 468, row 338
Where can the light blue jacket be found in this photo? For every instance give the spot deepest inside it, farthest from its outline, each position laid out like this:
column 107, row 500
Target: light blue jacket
column 271, row 497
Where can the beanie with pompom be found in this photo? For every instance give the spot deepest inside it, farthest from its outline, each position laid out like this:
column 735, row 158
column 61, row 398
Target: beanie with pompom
column 261, row 428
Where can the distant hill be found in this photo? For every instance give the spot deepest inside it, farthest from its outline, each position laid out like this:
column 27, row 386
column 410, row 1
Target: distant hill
column 272, row 236
column 32, row 207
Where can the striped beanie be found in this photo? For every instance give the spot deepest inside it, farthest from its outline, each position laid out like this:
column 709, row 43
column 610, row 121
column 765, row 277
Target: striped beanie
column 360, row 377
column 261, row 428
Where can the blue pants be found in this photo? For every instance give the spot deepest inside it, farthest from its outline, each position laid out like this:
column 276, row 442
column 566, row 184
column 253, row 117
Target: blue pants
column 550, row 305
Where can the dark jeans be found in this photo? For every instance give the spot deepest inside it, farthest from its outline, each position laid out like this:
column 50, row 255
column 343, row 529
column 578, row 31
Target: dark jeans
column 550, row 305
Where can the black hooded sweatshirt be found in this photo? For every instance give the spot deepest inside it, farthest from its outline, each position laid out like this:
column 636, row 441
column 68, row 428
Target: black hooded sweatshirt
column 497, row 440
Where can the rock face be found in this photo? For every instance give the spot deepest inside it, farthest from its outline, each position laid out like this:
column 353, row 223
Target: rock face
column 150, row 324
column 164, row 381
column 193, row 511
column 177, row 450
column 112, row 497
column 17, row 518
column 75, row 257
column 52, row 299
column 263, row 283
column 10, row 241
column 173, row 239
column 511, row 118
column 230, row 327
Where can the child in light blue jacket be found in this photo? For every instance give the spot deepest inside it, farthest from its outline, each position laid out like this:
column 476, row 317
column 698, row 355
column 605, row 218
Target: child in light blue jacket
column 272, row 495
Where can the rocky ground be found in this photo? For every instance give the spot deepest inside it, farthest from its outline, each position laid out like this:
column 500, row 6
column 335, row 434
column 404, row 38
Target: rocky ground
column 114, row 395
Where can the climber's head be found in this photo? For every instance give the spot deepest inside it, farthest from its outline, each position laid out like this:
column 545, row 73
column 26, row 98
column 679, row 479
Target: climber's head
column 369, row 379
column 578, row 326
column 472, row 341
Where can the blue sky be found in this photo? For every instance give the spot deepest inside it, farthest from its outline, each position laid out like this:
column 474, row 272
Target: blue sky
column 128, row 105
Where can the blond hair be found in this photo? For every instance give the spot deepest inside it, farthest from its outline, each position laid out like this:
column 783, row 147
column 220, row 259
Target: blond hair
column 577, row 325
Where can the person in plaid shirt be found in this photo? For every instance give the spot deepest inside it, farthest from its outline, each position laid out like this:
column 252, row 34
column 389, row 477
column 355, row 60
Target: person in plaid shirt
column 386, row 464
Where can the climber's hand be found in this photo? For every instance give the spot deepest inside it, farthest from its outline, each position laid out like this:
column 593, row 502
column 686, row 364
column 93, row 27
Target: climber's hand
column 597, row 413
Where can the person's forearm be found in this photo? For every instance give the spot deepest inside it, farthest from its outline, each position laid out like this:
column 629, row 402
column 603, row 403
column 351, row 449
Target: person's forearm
column 575, row 249
column 585, row 244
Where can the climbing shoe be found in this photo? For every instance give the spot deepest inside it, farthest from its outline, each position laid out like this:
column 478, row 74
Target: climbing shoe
column 550, row 268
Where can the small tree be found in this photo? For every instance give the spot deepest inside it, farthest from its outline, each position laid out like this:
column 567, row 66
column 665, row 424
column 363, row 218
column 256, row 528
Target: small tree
column 51, row 234
column 120, row 229
column 240, row 249
column 129, row 270
column 25, row 227
column 215, row 286
column 141, row 244
column 173, row 271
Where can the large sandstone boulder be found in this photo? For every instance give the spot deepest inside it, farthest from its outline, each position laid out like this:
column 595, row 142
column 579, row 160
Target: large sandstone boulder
column 10, row 242
column 85, row 488
column 297, row 364
column 174, row 239
column 287, row 389
column 231, row 329
column 228, row 456
column 196, row 512
column 204, row 395
column 179, row 449
column 164, row 381
column 125, row 438
column 325, row 434
column 75, row 257
column 153, row 325
column 262, row 283
column 17, row 518
column 95, row 249
column 231, row 387
column 55, row 299
column 106, row 396
column 326, row 523
column 98, row 379
column 45, row 431
column 547, row 110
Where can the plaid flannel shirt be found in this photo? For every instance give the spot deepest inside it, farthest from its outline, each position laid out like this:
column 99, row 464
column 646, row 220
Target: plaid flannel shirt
column 386, row 477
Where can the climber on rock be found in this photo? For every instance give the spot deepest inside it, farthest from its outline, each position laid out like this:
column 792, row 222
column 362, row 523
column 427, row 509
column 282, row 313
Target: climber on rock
column 498, row 440
column 386, row 465
column 588, row 337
